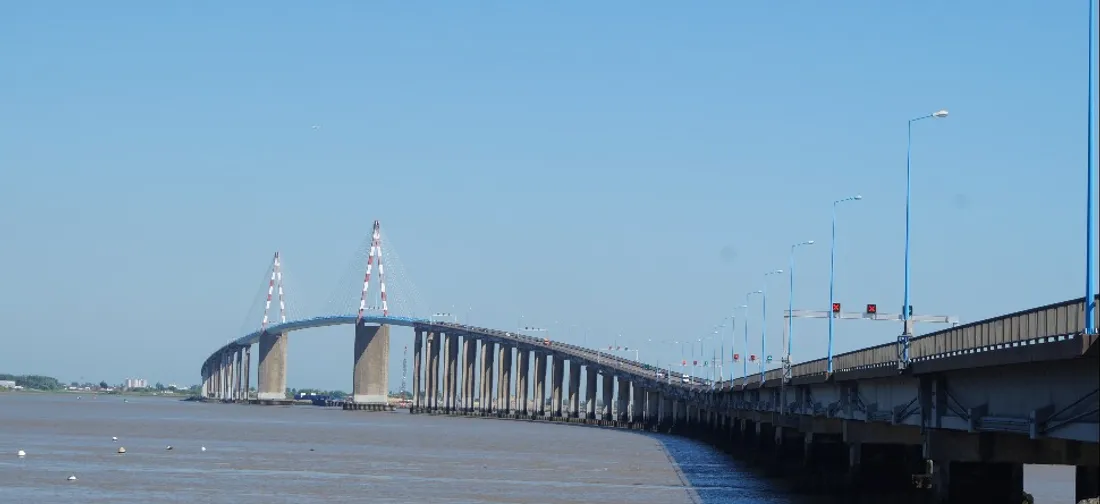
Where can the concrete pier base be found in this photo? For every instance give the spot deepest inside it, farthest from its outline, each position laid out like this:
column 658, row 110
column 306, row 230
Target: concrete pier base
column 271, row 375
column 370, row 376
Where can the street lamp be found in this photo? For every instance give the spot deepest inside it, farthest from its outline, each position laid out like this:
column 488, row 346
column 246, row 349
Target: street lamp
column 907, row 330
column 832, row 268
column 745, row 371
column 764, row 324
column 1090, row 213
column 790, row 308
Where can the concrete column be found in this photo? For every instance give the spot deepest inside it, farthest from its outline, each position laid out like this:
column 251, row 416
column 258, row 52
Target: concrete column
column 430, row 376
column 652, row 407
column 559, row 382
column 452, row 372
column 574, row 389
column 540, row 384
column 498, row 374
column 637, row 403
column 418, row 344
column 444, row 372
column 469, row 375
column 247, row 371
column 271, row 375
column 608, row 383
column 590, row 393
column 370, row 383
column 239, row 363
column 506, row 378
column 487, row 367
column 622, row 400
column 522, row 373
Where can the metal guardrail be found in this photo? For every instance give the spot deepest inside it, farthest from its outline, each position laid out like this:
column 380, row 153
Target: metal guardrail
column 1035, row 325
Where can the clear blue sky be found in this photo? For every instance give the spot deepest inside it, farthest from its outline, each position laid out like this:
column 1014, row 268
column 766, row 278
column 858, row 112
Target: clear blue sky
column 627, row 167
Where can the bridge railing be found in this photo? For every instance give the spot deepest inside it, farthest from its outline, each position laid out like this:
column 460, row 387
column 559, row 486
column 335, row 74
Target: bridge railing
column 1053, row 320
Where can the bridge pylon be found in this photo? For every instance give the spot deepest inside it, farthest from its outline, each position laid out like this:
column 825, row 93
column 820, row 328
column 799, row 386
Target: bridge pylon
column 271, row 372
column 370, row 375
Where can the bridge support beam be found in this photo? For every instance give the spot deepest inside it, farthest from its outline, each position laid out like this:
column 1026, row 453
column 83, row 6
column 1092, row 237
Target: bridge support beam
column 418, row 345
column 558, row 377
column 523, row 373
column 487, row 377
column 452, row 373
column 271, row 374
column 505, row 385
column 590, row 393
column 607, row 384
column 540, row 384
column 247, row 371
column 574, row 389
column 370, row 375
column 622, row 399
column 469, row 373
column 637, row 403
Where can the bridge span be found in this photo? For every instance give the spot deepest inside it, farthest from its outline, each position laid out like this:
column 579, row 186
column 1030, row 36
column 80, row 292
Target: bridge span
column 956, row 417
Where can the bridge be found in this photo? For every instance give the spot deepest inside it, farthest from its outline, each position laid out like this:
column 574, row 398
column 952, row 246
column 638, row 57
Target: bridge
column 954, row 414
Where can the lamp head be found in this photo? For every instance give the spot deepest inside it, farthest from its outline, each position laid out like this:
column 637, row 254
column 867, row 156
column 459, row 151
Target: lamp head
column 811, row 242
column 857, row 197
column 940, row 114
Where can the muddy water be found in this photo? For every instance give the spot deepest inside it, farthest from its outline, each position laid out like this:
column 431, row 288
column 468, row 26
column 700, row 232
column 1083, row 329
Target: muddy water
column 309, row 455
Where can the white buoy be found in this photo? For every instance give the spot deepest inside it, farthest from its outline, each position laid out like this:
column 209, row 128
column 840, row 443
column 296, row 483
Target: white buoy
column 114, row 438
column 169, row 447
column 72, row 478
column 202, row 449
column 21, row 453
column 121, row 450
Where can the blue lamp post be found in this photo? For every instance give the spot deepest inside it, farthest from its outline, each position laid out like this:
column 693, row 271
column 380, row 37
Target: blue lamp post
column 907, row 330
column 1090, row 212
column 764, row 324
column 790, row 311
column 832, row 269
column 745, row 371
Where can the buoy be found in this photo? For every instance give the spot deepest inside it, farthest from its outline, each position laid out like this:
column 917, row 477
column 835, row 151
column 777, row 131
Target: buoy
column 169, row 447
column 72, row 478
column 121, row 450
column 202, row 449
column 21, row 453
column 114, row 438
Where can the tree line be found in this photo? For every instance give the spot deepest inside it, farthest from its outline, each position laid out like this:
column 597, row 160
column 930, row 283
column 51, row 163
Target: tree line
column 35, row 382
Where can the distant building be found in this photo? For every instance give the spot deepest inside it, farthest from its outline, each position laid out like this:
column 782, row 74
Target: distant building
column 133, row 383
column 7, row 384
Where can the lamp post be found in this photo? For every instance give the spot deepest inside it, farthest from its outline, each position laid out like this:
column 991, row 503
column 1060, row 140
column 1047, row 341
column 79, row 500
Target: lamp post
column 907, row 330
column 745, row 371
column 764, row 324
column 790, row 311
column 832, row 271
column 1090, row 212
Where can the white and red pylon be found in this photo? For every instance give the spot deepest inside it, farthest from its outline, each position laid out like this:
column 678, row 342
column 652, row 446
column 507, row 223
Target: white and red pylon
column 375, row 250
column 276, row 281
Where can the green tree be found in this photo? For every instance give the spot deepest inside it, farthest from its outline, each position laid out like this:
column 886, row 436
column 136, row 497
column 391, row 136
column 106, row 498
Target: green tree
column 103, row 385
column 159, row 386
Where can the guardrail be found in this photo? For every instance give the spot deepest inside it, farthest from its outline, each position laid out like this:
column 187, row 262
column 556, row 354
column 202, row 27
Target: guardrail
column 1035, row 325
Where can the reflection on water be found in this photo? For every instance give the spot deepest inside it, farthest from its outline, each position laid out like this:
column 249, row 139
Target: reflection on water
column 311, row 455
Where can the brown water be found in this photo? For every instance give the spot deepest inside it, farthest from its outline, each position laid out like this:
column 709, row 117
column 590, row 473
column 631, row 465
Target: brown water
column 309, row 455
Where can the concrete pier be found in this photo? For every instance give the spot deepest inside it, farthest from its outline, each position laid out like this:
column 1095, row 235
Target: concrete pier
column 271, row 375
column 574, row 389
column 523, row 372
column 487, row 366
column 469, row 374
column 452, row 373
column 505, row 385
column 418, row 344
column 607, row 385
column 540, row 384
column 590, row 392
column 372, row 357
column 558, row 380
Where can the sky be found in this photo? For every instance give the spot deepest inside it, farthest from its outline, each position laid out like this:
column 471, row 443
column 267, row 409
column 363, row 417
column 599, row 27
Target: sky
column 616, row 172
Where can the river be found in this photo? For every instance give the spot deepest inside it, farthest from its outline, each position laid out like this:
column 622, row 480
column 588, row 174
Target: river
column 306, row 455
